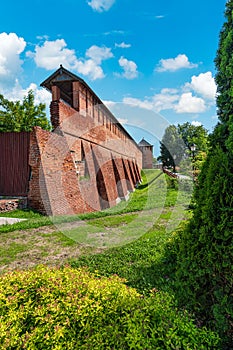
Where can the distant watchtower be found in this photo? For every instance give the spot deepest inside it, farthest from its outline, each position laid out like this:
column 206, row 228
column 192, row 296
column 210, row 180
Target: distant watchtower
column 147, row 154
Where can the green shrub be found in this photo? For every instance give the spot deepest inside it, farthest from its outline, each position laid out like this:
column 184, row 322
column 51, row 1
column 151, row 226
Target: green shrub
column 204, row 249
column 171, row 182
column 186, row 184
column 70, row 308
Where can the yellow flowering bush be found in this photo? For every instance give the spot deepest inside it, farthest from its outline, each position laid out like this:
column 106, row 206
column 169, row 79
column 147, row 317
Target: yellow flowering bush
column 67, row 308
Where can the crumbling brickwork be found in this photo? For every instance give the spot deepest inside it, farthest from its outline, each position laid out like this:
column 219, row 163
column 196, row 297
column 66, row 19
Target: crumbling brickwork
column 12, row 204
column 88, row 162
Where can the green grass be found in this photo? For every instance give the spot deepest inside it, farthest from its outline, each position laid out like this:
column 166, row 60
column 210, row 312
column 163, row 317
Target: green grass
column 146, row 215
column 140, row 238
column 141, row 262
column 152, row 193
column 130, row 220
column 133, row 240
column 6, row 256
column 34, row 220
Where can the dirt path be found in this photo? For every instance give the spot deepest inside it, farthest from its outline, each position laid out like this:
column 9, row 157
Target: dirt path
column 27, row 248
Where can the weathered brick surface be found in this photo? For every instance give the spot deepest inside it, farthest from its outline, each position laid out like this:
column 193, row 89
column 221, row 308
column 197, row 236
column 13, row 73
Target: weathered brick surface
column 87, row 163
column 147, row 156
column 12, row 204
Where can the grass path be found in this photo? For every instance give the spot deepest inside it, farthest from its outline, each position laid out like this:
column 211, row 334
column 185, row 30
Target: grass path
column 128, row 227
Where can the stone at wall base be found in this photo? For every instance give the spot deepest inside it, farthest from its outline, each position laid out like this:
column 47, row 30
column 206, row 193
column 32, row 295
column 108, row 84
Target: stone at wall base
column 10, row 204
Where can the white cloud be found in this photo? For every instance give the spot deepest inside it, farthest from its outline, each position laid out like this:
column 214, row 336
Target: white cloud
column 159, row 16
column 203, row 84
column 123, row 45
column 89, row 68
column 146, row 104
column 123, row 120
column 17, row 93
column 129, row 67
column 42, row 37
column 53, row 53
column 11, row 46
column 165, row 99
column 190, row 104
column 98, row 54
column 41, row 95
column 101, row 5
column 174, row 64
column 109, row 103
column 196, row 123
column 170, row 99
column 115, row 32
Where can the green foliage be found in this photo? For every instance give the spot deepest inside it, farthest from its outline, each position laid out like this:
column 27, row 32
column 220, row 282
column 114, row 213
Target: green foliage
column 184, row 184
column 224, row 76
column 171, row 147
column 73, row 309
column 205, row 249
column 176, row 147
column 16, row 116
column 34, row 220
column 137, row 261
column 172, row 183
column 194, row 134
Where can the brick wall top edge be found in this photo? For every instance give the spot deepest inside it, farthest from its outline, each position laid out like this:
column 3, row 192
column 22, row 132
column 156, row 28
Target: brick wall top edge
column 49, row 81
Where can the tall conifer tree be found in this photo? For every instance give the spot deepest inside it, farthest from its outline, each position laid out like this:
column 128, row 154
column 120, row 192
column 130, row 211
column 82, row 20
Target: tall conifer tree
column 205, row 258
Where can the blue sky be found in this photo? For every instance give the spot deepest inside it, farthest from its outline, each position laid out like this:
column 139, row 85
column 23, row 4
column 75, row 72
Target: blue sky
column 157, row 56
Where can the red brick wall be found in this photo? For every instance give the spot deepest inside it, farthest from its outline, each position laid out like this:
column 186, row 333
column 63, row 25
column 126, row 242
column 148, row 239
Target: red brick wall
column 87, row 163
column 37, row 186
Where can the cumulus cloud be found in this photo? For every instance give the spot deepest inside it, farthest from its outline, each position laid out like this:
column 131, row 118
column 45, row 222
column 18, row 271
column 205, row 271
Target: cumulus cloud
column 123, row 45
column 196, row 123
column 203, row 84
column 174, row 64
column 101, row 5
column 51, row 54
column 190, row 104
column 170, row 99
column 11, row 46
column 89, row 68
column 98, row 54
column 129, row 67
column 165, row 99
column 136, row 102
column 17, row 93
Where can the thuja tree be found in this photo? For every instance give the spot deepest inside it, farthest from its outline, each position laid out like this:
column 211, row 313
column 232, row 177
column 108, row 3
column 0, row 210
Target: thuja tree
column 22, row 116
column 205, row 251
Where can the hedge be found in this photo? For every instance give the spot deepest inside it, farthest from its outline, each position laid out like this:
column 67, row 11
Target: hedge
column 67, row 308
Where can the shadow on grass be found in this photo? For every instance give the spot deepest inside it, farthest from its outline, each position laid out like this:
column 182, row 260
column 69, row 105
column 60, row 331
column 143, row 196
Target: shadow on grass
column 144, row 264
column 142, row 187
